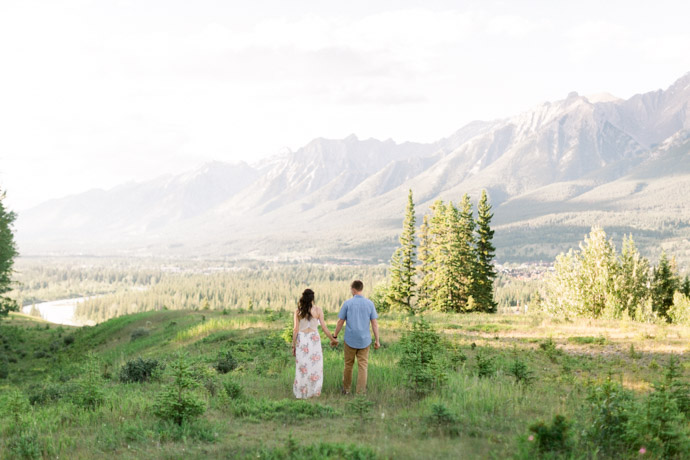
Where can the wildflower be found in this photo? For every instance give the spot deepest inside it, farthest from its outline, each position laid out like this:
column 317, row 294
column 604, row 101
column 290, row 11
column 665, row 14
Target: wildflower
column 531, row 438
column 643, row 451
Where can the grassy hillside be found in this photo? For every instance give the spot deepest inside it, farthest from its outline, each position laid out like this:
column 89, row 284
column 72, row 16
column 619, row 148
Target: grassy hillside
column 53, row 371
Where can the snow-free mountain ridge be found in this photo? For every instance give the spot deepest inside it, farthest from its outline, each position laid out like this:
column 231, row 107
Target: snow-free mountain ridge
column 551, row 172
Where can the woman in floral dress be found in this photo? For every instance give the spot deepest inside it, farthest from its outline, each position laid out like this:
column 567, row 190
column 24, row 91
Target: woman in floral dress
column 306, row 347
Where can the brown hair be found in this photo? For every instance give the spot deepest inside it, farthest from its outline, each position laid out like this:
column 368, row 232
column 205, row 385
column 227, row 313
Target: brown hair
column 357, row 285
column 305, row 303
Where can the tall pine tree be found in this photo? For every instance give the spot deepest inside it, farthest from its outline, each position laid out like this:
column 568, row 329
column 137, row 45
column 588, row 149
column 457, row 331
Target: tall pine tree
column 467, row 257
column 425, row 271
column 8, row 251
column 403, row 262
column 483, row 290
column 665, row 282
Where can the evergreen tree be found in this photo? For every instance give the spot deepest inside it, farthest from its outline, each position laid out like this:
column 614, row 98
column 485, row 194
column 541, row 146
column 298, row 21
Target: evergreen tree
column 425, row 271
column 483, row 291
column 441, row 235
column 8, row 251
column 632, row 278
column 466, row 256
column 665, row 282
column 403, row 262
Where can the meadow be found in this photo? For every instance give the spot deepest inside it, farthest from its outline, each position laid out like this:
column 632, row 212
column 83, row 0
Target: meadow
column 64, row 395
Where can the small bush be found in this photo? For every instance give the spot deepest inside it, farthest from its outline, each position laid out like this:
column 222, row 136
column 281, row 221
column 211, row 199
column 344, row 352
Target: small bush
column 554, row 437
column 518, row 369
column 286, row 409
column 610, row 406
column 88, row 391
column 486, row 366
column 25, row 445
column 140, row 370
column 225, row 362
column 362, row 408
column 4, row 367
column 233, row 389
column 138, row 333
column 421, row 347
column 442, row 421
column 549, row 348
column 178, row 402
column 48, row 393
column 293, row 450
column 68, row 340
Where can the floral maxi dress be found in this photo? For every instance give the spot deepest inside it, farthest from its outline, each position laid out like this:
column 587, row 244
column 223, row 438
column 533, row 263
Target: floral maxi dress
column 308, row 365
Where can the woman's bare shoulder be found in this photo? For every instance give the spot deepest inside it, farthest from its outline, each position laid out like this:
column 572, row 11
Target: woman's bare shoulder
column 317, row 311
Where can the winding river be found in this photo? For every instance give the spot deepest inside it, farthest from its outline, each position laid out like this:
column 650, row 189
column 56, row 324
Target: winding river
column 60, row 311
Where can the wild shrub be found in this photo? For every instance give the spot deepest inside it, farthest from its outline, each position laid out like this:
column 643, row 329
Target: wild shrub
column 206, row 377
column 421, row 348
column 68, row 339
column 610, row 407
column 88, row 392
column 519, row 369
column 319, row 451
column 486, row 365
column 25, row 445
column 47, row 393
column 441, row 420
column 14, row 404
column 656, row 424
column 4, row 367
column 548, row 346
column 362, row 408
column 455, row 355
column 140, row 370
column 233, row 389
column 225, row 362
column 286, row 409
column 554, row 437
column 178, row 402
column 679, row 388
column 138, row 333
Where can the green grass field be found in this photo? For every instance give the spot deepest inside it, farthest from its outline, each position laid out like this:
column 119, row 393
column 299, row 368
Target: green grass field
column 489, row 416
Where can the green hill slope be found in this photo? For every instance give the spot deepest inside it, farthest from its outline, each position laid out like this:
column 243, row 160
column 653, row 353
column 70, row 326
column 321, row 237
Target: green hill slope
column 64, row 396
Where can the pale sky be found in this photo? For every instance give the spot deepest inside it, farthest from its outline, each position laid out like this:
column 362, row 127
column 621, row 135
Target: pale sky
column 97, row 93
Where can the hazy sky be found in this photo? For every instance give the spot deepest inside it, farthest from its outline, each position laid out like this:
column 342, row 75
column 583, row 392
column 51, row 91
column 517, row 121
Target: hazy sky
column 96, row 93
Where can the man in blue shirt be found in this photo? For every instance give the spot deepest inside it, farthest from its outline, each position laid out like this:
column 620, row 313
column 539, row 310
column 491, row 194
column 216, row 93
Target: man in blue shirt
column 356, row 313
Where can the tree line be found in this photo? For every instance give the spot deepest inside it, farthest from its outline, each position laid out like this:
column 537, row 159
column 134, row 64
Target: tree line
column 449, row 267
column 597, row 282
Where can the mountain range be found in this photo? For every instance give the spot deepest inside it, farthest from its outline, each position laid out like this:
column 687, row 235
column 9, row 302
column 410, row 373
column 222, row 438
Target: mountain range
column 551, row 173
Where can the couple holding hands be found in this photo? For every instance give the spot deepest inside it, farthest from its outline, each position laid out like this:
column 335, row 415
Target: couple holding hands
column 356, row 314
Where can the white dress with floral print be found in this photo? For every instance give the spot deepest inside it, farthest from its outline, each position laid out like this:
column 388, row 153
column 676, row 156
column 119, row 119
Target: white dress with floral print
column 309, row 365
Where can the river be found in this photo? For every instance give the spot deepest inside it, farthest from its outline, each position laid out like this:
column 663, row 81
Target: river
column 60, row 311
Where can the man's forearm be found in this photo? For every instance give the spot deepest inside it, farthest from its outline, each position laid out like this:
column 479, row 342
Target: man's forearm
column 339, row 326
column 375, row 328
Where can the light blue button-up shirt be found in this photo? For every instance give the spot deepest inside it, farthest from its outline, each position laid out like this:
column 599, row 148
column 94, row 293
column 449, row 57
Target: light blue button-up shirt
column 357, row 313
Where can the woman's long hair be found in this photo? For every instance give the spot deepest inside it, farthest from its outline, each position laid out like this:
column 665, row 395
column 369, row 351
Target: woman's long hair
column 305, row 303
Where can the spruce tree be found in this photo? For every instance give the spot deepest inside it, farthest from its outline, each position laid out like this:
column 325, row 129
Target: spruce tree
column 665, row 282
column 441, row 237
column 425, row 270
column 467, row 257
column 483, row 291
column 403, row 262
column 8, row 251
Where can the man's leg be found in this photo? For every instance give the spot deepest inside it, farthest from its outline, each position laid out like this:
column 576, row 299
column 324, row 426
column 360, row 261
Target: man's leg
column 362, row 363
column 349, row 363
